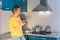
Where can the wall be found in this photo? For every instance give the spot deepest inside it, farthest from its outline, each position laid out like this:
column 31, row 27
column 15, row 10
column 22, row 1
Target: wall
column 42, row 19
column 55, row 5
column 4, row 21
column 32, row 4
column 51, row 19
column 0, row 21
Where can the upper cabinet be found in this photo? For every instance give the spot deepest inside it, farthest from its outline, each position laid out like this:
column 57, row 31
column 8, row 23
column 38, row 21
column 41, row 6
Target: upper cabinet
column 9, row 4
column 6, row 4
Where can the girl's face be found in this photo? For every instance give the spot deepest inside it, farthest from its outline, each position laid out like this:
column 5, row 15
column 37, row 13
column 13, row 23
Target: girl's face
column 18, row 11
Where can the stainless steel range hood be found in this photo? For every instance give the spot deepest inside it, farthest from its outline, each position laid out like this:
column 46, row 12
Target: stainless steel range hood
column 43, row 6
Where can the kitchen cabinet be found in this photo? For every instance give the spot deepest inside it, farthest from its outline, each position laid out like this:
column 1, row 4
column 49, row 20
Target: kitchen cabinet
column 9, row 4
column 47, row 38
column 30, row 37
column 6, row 4
column 21, row 3
column 41, row 37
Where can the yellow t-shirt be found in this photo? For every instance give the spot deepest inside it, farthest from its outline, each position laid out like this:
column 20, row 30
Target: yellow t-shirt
column 13, row 22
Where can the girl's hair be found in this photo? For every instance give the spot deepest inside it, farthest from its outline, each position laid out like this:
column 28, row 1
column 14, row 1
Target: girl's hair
column 15, row 8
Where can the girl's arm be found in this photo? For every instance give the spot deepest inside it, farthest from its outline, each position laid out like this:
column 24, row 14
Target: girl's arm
column 18, row 26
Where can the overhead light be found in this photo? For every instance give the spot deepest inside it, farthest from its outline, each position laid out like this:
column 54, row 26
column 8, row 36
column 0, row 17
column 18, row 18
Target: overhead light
column 47, row 12
column 41, row 12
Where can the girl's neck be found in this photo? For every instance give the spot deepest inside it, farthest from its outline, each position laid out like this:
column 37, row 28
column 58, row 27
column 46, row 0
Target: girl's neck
column 15, row 16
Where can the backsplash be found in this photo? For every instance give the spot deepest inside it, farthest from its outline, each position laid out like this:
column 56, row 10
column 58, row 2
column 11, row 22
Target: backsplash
column 36, row 18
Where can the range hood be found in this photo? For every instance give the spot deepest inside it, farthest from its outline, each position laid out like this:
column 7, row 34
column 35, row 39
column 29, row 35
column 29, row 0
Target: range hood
column 43, row 6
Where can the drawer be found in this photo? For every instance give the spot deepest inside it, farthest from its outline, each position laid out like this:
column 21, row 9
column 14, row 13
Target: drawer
column 32, row 37
column 47, row 38
column 53, row 38
column 43, row 38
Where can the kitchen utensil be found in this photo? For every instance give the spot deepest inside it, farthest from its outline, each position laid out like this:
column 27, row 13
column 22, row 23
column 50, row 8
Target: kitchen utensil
column 38, row 28
column 48, row 29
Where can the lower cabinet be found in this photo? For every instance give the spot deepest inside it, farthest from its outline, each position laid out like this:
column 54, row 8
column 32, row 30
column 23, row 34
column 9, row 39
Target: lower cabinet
column 33, row 37
column 46, row 38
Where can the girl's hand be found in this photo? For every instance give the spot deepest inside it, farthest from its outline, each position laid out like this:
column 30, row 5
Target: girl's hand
column 24, row 24
column 20, row 25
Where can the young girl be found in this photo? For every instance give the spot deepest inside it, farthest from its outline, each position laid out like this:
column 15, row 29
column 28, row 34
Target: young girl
column 15, row 25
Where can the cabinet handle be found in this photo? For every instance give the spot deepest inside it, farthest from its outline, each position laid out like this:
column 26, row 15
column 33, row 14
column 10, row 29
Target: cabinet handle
column 43, row 38
column 7, row 8
column 32, row 37
column 24, row 0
